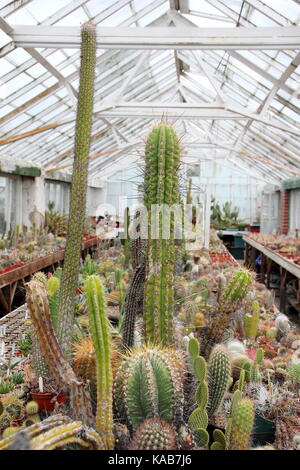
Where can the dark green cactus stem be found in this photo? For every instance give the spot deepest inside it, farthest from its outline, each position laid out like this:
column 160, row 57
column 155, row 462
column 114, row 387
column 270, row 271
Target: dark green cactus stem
column 79, row 186
column 219, row 370
column 148, row 384
column 161, row 189
column 100, row 331
column 189, row 192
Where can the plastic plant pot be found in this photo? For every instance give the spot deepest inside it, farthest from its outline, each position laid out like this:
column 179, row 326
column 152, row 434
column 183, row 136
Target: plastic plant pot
column 264, row 431
column 44, row 400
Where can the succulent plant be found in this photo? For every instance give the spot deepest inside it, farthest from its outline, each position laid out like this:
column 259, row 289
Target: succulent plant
column 219, row 375
column 77, row 210
column 161, row 191
column 153, row 434
column 149, row 384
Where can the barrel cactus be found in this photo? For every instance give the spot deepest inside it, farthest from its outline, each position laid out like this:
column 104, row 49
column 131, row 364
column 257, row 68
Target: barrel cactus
column 148, row 384
column 154, row 434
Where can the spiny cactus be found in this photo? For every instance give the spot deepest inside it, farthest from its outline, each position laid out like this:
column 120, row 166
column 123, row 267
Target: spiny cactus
column 79, row 185
column 242, row 424
column 41, row 277
column 219, row 369
column 251, row 321
column 198, row 420
column 53, row 290
column 161, row 189
column 100, row 331
column 63, row 374
column 154, row 434
column 149, row 384
column 56, row 432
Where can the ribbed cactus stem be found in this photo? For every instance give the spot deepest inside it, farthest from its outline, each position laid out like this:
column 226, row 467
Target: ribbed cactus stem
column 154, row 434
column 77, row 210
column 242, row 425
column 161, row 190
column 100, row 331
column 219, row 370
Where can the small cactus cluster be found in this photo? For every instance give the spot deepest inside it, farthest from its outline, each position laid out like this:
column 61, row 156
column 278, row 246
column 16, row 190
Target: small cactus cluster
column 11, row 407
column 154, row 434
column 149, row 384
column 32, row 411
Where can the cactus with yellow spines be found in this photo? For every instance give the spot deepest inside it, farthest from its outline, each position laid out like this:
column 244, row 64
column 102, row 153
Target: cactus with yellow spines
column 100, row 332
column 149, row 384
column 77, row 210
column 53, row 290
column 161, row 189
column 242, row 424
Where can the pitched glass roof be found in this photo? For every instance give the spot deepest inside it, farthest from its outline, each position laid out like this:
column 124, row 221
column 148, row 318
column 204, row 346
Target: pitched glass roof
column 240, row 103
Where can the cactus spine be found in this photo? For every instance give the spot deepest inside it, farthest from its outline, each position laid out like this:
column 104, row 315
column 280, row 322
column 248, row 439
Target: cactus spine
column 100, row 331
column 219, row 369
column 154, row 434
column 79, row 185
column 161, row 189
column 242, row 424
column 148, row 384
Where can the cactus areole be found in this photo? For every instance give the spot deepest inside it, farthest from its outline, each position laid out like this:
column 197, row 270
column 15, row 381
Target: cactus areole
column 161, row 190
column 79, row 185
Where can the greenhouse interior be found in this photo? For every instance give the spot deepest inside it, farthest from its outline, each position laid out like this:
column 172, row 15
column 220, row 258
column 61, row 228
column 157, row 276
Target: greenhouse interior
column 150, row 225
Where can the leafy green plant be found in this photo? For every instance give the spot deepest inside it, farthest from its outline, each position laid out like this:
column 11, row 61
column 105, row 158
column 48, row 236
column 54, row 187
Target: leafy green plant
column 5, row 386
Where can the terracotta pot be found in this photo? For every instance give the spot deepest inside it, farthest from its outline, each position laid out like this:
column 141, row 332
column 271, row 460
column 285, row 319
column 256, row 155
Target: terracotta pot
column 44, row 400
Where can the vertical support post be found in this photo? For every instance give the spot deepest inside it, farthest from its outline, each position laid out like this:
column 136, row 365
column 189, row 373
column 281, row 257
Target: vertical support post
column 207, row 216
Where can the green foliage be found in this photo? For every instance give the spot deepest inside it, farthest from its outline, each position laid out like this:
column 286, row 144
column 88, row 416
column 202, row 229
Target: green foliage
column 5, row 386
column 89, row 267
column 17, row 378
column 25, row 344
column 161, row 189
column 194, row 347
column 294, row 372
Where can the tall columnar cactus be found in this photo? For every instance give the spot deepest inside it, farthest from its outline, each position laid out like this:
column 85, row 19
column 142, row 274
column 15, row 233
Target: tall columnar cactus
column 154, row 434
column 79, row 185
column 161, row 189
column 219, row 370
column 100, row 331
column 242, row 425
column 148, row 384
column 53, row 290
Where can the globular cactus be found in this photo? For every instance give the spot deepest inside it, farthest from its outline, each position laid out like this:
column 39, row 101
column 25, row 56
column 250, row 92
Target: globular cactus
column 77, row 211
column 84, row 360
column 154, row 434
column 149, row 384
column 242, row 424
column 219, row 370
column 32, row 411
column 282, row 325
column 100, row 332
column 161, row 189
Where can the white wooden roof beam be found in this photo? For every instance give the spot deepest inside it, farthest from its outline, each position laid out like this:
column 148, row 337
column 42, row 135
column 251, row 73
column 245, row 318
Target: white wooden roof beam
column 280, row 38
